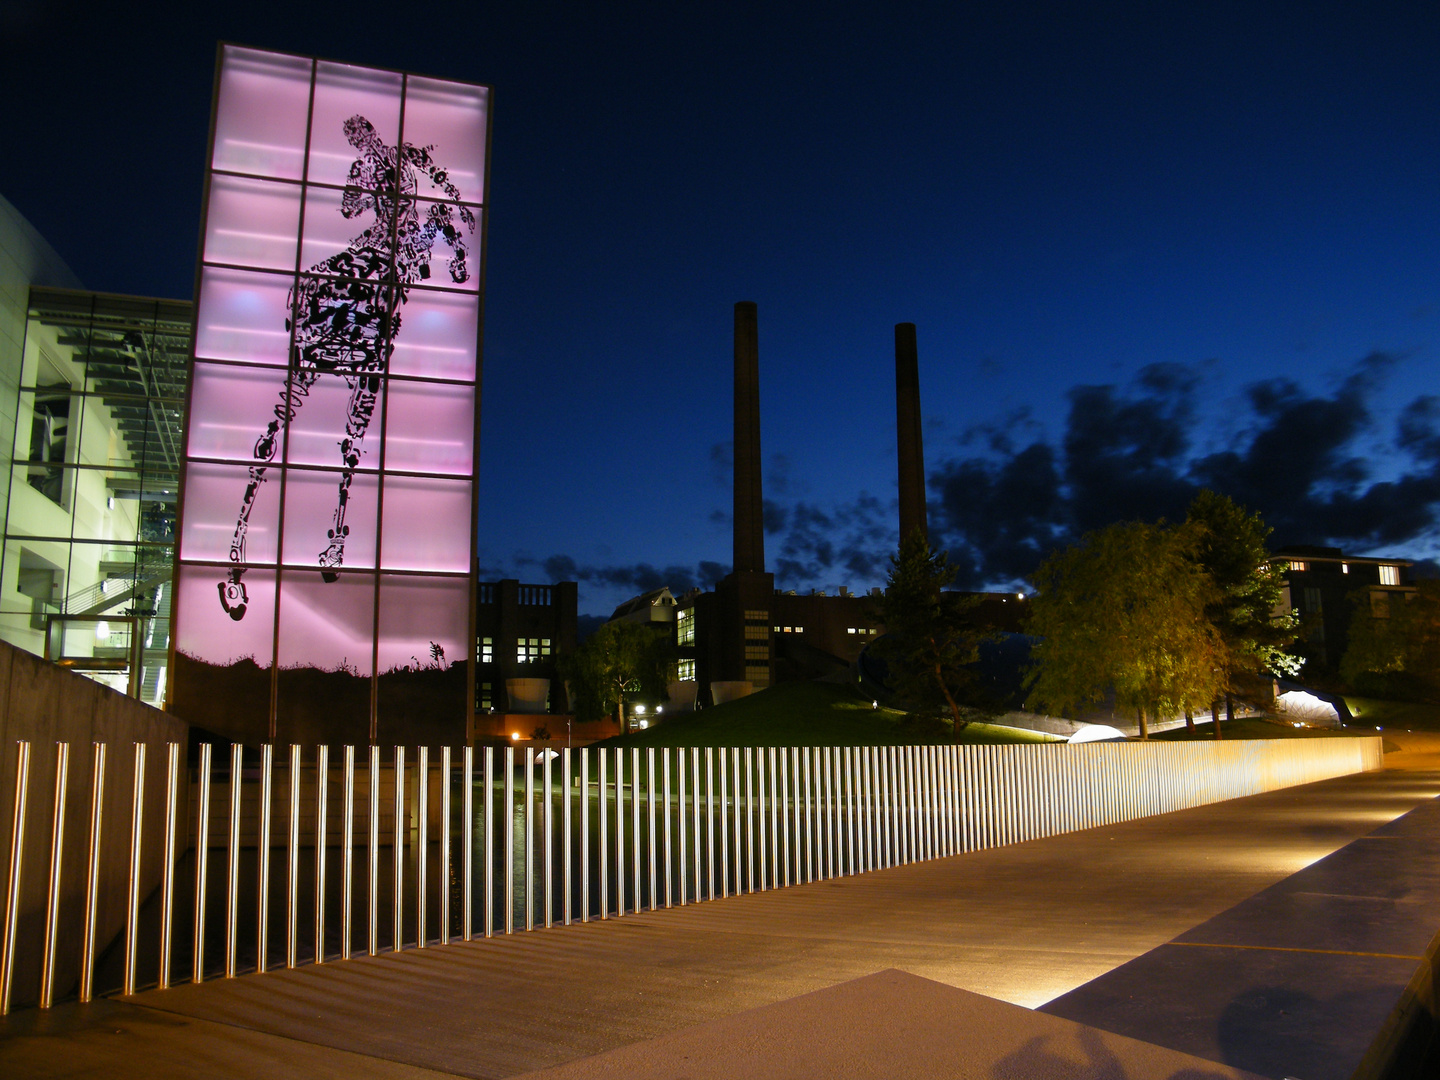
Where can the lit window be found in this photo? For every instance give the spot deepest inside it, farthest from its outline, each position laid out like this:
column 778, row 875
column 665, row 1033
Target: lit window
column 1344, row 568
column 528, row 650
column 685, row 671
column 850, row 630
column 685, row 626
column 485, row 652
column 486, row 695
column 1389, row 575
column 1296, row 565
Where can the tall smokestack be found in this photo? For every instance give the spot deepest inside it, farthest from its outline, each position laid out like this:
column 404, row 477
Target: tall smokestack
column 749, row 508
column 907, row 430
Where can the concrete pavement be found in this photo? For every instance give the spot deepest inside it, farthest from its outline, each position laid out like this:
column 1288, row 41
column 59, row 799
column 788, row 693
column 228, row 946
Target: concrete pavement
column 1024, row 924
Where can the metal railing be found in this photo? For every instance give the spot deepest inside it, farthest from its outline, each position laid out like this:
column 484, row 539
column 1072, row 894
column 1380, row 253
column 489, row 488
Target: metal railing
column 490, row 842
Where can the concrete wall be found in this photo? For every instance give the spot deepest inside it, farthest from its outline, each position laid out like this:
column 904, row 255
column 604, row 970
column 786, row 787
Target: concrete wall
column 43, row 704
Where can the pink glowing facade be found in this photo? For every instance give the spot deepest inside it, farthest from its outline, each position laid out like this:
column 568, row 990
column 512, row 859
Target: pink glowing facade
column 328, row 503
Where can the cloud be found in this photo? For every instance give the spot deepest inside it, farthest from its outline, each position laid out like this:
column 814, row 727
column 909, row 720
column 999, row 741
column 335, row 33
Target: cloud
column 1128, row 454
column 638, row 577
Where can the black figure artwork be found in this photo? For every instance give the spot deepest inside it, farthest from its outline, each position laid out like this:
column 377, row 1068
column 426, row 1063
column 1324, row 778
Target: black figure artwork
column 345, row 313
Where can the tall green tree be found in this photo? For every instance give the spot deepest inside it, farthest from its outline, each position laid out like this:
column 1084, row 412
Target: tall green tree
column 1231, row 548
column 1125, row 610
column 618, row 658
column 1394, row 647
column 930, row 640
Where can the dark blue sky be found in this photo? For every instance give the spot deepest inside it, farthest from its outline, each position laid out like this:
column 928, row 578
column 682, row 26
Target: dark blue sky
column 1146, row 246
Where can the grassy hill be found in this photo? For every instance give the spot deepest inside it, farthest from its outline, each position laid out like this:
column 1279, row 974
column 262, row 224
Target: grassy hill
column 805, row 714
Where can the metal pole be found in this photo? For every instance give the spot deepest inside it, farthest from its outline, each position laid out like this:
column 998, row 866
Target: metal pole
column 635, row 896
column 17, row 861
column 650, row 808
column 292, row 875
column 397, row 857
column 548, row 828
column 167, row 863
column 566, row 874
column 322, row 789
column 665, row 793
column 232, row 867
column 509, row 877
column 785, row 817
column 92, row 870
column 695, row 806
column 724, row 829
column 619, row 832
column 774, row 831
column 443, row 887
column 489, row 799
column 132, row 889
column 57, row 854
column 737, row 813
column 422, row 842
column 374, row 867
column 584, row 834
column 530, row 838
column 347, row 887
column 262, row 897
column 809, row 755
column 680, row 823
column 202, row 858
column 604, row 837
column 709, row 817
column 467, row 840
column 750, row 819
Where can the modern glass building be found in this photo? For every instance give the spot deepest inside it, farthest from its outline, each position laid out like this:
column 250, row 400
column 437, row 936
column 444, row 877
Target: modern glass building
column 94, row 414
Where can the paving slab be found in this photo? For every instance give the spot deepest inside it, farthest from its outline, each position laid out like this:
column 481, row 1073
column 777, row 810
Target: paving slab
column 892, row 1024
column 109, row 1040
column 1297, row 980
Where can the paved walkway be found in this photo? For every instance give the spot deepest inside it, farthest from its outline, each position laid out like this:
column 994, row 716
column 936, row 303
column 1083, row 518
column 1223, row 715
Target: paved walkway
column 1024, row 924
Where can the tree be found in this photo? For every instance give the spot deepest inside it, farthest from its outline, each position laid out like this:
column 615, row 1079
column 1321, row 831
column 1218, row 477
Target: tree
column 1125, row 610
column 619, row 657
column 1230, row 548
column 929, row 642
column 1394, row 649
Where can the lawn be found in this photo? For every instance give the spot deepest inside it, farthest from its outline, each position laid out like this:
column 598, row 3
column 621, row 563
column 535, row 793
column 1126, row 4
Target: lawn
column 1402, row 715
column 804, row 714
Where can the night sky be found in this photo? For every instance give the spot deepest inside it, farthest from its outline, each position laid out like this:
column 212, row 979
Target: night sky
column 1147, row 248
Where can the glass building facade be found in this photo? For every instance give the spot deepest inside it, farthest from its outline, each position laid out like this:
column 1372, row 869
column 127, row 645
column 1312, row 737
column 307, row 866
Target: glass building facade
column 90, row 490
column 328, row 514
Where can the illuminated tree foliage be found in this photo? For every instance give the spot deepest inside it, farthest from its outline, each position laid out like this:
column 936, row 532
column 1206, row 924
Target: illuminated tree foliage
column 618, row 658
column 1394, row 650
column 1230, row 547
column 930, row 641
column 1126, row 610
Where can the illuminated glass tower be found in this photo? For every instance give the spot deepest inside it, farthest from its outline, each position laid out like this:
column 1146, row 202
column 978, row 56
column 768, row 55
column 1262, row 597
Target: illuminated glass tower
column 328, row 502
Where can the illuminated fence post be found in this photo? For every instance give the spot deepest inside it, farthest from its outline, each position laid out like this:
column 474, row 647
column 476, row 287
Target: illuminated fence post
column 422, row 841
column 92, row 870
column 57, row 857
column 262, row 845
column 12, row 886
column 373, row 867
column 167, row 863
column 232, row 865
column 665, row 794
column 347, row 900
column 529, row 854
column 322, row 781
column 132, row 887
column 567, row 875
column 202, row 859
column 467, row 841
column 584, row 834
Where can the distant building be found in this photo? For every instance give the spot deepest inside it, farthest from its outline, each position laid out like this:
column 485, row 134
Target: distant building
column 1323, row 586
column 655, row 606
column 522, row 632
